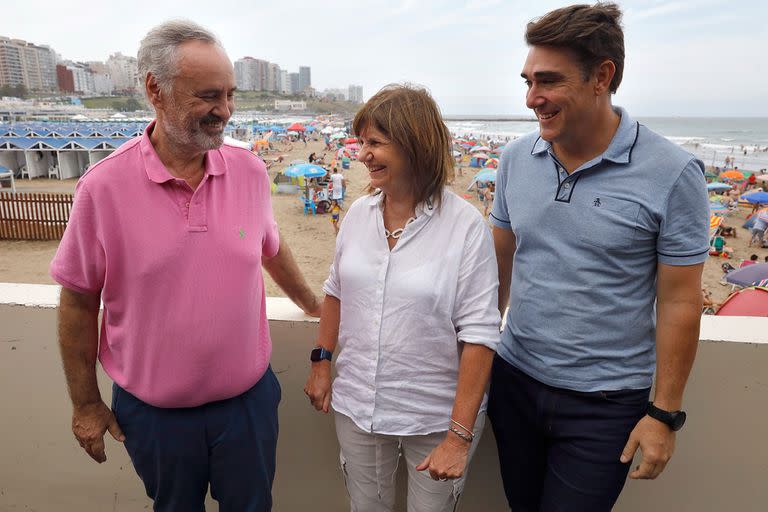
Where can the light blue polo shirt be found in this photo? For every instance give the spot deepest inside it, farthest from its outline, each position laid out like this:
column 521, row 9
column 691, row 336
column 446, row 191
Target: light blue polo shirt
column 581, row 307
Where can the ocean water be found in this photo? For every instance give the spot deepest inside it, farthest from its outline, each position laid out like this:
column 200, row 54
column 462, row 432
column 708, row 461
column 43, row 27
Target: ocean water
column 711, row 139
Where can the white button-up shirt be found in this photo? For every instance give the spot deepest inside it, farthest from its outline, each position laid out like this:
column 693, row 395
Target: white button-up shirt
column 404, row 313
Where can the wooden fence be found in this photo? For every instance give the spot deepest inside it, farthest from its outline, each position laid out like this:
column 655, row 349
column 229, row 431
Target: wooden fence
column 33, row 216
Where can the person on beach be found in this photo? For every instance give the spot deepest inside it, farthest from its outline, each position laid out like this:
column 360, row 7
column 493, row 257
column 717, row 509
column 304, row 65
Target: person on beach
column 595, row 246
column 412, row 311
column 488, row 192
column 338, row 184
column 170, row 233
column 335, row 211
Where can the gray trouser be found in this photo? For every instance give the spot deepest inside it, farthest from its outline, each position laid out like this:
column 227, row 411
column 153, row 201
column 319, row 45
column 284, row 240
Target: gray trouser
column 369, row 463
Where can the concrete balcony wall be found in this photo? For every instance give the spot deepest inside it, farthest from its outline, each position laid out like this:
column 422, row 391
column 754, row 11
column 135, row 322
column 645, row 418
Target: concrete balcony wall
column 721, row 462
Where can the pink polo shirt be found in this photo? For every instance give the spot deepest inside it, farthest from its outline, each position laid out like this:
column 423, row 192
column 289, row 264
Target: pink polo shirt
column 179, row 272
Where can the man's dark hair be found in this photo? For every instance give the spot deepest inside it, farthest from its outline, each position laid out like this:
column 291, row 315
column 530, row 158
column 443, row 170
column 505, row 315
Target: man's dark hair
column 592, row 33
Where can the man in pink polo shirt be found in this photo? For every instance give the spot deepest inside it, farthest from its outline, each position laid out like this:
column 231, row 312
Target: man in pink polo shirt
column 171, row 232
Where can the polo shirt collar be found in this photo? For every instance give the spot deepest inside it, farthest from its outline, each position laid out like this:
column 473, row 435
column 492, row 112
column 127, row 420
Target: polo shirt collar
column 424, row 208
column 619, row 150
column 215, row 165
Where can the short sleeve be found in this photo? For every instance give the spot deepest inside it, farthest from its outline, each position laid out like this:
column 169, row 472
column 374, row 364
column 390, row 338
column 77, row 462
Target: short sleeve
column 499, row 212
column 684, row 232
column 476, row 311
column 79, row 263
column 271, row 240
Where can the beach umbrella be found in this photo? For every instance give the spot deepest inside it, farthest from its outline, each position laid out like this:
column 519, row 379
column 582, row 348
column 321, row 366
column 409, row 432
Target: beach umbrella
column 485, row 176
column 338, row 135
column 352, row 147
column 480, row 156
column 751, row 275
column 732, row 175
column 327, row 130
column 350, row 140
column 755, row 197
column 305, row 170
column 276, row 129
column 296, row 127
column 492, row 163
column 479, row 148
column 746, row 302
column 716, row 185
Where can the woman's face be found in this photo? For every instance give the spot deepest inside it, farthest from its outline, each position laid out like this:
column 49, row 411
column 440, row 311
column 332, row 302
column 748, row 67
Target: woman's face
column 387, row 163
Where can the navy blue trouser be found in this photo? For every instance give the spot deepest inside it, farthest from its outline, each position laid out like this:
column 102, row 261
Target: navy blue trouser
column 229, row 444
column 559, row 449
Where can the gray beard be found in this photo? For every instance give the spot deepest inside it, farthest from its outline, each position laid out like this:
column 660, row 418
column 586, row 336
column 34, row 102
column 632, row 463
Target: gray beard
column 196, row 140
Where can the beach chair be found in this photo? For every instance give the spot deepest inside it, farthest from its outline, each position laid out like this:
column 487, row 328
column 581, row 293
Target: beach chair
column 309, row 205
column 53, row 172
column 7, row 174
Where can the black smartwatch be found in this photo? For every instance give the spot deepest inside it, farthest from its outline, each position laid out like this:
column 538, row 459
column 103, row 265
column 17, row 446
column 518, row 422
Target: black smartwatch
column 319, row 353
column 674, row 420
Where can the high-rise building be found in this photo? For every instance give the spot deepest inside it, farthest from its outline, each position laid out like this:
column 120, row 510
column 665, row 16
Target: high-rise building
column 273, row 77
column 305, row 78
column 65, row 78
column 293, row 78
column 244, row 74
column 285, row 82
column 28, row 64
column 11, row 70
column 355, row 93
column 124, row 72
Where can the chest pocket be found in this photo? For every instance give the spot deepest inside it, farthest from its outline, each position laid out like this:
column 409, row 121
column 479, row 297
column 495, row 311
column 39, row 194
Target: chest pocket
column 608, row 222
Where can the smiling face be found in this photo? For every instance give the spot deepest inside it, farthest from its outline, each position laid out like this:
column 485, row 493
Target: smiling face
column 563, row 101
column 387, row 163
column 201, row 99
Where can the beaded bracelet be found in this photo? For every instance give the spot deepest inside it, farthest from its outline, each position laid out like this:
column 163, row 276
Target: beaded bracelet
column 467, row 437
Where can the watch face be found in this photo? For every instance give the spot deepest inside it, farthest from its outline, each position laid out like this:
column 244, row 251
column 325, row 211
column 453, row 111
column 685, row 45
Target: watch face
column 678, row 421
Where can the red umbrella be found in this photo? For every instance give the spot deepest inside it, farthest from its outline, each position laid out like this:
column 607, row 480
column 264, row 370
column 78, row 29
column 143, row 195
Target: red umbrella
column 350, row 140
column 296, row 127
column 746, row 302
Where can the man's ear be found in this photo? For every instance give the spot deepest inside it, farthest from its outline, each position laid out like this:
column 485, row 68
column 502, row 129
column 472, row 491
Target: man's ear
column 603, row 75
column 154, row 93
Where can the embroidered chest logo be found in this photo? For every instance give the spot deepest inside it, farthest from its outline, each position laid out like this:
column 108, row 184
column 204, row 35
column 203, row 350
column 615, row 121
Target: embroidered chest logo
column 596, row 202
column 242, row 233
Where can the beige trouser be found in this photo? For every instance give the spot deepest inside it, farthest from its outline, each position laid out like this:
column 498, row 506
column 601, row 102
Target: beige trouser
column 369, row 463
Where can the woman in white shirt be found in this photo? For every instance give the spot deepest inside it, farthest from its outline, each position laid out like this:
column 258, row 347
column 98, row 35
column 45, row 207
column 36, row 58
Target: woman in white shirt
column 411, row 301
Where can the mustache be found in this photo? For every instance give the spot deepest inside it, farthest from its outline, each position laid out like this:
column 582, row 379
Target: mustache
column 210, row 118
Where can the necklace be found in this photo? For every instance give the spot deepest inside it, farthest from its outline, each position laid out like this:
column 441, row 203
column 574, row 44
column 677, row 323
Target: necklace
column 399, row 231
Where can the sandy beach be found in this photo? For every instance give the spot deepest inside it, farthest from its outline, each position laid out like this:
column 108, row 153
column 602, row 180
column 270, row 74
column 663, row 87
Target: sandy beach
column 311, row 238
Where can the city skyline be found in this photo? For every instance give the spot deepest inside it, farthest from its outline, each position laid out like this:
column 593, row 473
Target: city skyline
column 694, row 58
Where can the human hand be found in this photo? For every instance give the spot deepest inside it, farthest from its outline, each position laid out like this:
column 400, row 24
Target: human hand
column 318, row 386
column 89, row 422
column 656, row 442
column 447, row 460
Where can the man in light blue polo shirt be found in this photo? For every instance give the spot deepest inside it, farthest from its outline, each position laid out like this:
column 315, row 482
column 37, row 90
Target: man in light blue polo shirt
column 601, row 231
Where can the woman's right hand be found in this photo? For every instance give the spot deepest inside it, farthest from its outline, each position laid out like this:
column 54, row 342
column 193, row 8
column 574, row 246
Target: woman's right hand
column 318, row 386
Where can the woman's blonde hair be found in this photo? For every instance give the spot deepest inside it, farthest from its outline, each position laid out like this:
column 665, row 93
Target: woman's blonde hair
column 408, row 116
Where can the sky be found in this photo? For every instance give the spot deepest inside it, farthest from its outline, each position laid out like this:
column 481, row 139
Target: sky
column 683, row 58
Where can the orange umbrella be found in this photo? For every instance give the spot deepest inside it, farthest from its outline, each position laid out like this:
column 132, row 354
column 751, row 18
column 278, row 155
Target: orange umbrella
column 732, row 175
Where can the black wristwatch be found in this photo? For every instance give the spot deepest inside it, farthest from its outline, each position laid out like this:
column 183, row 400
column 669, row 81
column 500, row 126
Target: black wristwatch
column 319, row 353
column 674, row 420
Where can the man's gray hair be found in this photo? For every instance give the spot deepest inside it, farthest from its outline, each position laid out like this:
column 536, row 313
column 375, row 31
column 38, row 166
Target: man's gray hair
column 157, row 51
